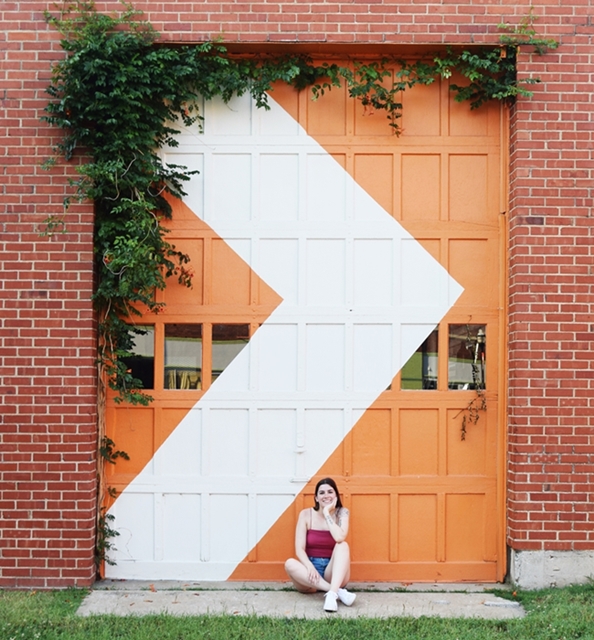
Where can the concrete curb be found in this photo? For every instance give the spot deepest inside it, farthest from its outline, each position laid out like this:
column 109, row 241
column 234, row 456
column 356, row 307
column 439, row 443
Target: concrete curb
column 272, row 599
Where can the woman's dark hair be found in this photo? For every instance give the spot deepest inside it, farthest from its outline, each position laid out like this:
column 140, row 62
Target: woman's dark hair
column 333, row 485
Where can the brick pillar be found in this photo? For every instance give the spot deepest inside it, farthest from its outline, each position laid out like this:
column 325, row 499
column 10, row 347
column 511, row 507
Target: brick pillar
column 551, row 316
column 47, row 332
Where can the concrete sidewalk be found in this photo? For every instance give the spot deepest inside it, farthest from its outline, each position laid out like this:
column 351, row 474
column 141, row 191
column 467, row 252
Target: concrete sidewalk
column 276, row 600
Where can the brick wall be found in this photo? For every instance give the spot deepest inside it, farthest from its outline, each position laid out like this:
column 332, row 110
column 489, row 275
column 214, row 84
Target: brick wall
column 47, row 374
column 551, row 329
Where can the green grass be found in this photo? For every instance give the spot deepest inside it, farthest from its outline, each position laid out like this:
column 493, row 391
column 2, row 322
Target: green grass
column 555, row 614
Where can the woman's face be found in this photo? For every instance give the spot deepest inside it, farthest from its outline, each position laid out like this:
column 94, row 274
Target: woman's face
column 326, row 495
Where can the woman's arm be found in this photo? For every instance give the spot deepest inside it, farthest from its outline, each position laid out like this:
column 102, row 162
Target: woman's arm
column 300, row 538
column 338, row 523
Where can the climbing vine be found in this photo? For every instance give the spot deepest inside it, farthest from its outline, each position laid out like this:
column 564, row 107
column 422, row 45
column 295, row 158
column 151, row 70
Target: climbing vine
column 105, row 533
column 116, row 95
column 475, row 346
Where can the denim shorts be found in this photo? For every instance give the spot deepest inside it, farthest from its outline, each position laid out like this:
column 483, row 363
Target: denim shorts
column 320, row 564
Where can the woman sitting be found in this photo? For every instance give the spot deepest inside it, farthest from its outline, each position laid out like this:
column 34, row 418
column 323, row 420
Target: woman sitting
column 323, row 559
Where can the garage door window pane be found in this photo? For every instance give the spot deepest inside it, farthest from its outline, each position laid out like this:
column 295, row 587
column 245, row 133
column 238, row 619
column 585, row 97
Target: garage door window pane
column 183, row 356
column 420, row 372
column 227, row 341
column 467, row 356
column 142, row 363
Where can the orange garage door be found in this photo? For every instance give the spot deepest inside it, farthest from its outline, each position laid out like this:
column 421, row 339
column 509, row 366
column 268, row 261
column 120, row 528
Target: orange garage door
column 423, row 480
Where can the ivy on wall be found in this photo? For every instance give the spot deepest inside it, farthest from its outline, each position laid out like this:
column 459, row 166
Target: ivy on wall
column 116, row 95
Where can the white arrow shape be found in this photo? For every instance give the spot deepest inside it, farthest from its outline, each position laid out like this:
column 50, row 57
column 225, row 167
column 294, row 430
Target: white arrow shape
column 360, row 294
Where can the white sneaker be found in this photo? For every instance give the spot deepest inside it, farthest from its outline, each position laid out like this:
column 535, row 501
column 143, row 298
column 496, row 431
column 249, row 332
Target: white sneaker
column 330, row 601
column 346, row 597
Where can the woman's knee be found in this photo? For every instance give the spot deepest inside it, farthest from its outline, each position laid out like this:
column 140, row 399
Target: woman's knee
column 290, row 565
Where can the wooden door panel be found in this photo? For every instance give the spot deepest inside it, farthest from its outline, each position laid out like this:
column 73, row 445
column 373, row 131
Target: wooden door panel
column 422, row 111
column 465, row 527
column 375, row 173
column 470, row 262
column 418, row 442
column 420, row 180
column 371, row 446
column 371, row 540
column 417, row 527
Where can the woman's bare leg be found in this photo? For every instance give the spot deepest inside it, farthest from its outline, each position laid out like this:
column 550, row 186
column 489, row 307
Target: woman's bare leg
column 338, row 571
column 300, row 577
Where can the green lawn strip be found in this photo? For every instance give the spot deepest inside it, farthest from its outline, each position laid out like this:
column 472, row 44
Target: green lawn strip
column 555, row 614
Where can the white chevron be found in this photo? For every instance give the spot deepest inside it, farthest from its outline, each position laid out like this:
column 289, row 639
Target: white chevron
column 359, row 296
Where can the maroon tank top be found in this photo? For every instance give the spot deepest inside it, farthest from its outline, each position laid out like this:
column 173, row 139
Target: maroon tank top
column 319, row 544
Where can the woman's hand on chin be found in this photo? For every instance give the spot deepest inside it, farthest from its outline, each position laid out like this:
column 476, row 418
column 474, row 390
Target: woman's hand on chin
column 329, row 508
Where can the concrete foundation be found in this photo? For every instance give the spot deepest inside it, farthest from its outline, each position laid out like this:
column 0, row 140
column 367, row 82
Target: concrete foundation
column 542, row 569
